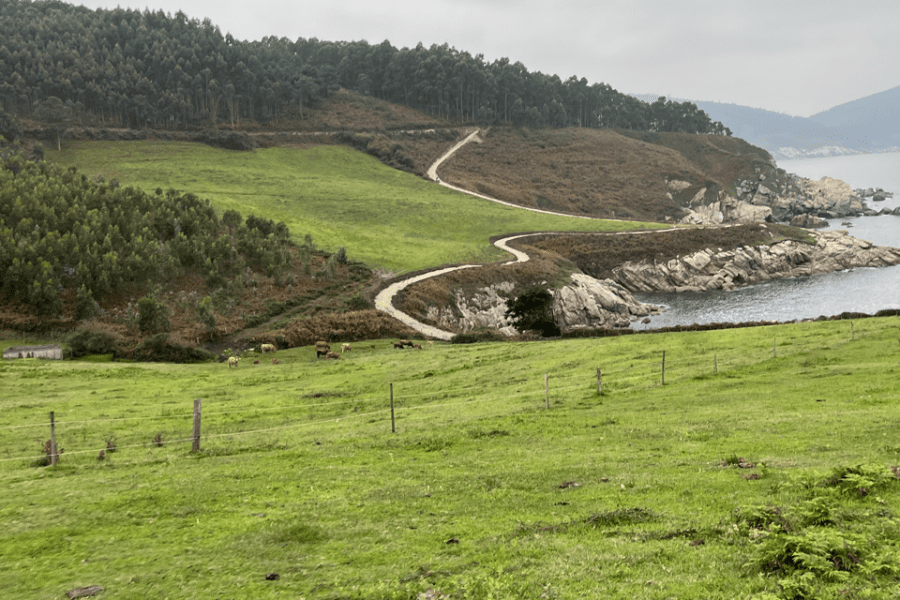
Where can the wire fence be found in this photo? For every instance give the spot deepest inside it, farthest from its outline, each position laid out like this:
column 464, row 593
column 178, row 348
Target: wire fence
column 416, row 407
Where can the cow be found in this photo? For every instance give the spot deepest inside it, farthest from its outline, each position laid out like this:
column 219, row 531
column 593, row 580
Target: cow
column 399, row 345
column 333, row 355
column 267, row 348
column 233, row 361
column 345, row 348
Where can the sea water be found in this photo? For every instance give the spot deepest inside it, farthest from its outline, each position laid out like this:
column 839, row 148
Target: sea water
column 857, row 290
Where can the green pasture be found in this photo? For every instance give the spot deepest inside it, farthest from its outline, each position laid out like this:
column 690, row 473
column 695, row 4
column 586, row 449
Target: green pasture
column 342, row 197
column 760, row 468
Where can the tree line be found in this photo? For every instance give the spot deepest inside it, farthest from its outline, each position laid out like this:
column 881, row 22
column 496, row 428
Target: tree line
column 152, row 69
column 60, row 230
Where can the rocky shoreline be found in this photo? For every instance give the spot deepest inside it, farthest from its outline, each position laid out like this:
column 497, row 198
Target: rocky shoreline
column 777, row 196
column 705, row 270
column 590, row 303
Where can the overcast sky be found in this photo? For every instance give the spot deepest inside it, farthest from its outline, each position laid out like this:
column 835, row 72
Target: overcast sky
column 797, row 57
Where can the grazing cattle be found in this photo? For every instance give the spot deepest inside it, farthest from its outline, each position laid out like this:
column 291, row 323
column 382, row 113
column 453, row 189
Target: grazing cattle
column 406, row 342
column 275, row 361
column 267, row 348
column 430, row 343
column 345, row 348
column 321, row 344
column 417, row 346
column 399, row 345
column 333, row 355
column 320, row 352
column 233, row 361
column 255, row 362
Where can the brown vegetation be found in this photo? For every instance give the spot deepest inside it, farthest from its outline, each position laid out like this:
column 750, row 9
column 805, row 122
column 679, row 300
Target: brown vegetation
column 601, row 172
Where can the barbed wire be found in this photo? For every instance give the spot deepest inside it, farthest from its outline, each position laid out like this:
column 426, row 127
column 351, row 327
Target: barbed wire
column 619, row 378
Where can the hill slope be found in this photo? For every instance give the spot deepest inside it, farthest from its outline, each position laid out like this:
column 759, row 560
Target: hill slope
column 602, row 173
column 870, row 124
column 318, row 186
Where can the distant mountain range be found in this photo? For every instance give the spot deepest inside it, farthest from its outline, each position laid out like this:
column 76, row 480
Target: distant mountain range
column 867, row 125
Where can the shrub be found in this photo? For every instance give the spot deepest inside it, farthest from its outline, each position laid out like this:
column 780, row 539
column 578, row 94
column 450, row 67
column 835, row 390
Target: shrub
column 531, row 311
column 472, row 337
column 86, row 307
column 230, row 140
column 93, row 340
column 153, row 315
column 206, row 314
column 9, row 127
column 158, row 348
column 357, row 302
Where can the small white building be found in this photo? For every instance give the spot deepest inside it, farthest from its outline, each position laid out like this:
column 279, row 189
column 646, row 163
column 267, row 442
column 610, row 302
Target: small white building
column 51, row 351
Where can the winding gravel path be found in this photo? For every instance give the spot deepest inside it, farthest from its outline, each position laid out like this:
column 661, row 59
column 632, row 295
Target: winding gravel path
column 384, row 300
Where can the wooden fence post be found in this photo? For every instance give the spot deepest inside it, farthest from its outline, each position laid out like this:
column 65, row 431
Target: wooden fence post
column 546, row 391
column 852, row 333
column 716, row 363
column 774, row 350
column 54, row 455
column 664, row 368
column 393, row 425
column 599, row 383
column 195, row 447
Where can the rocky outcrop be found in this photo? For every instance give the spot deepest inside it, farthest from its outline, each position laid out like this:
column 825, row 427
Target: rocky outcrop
column 876, row 195
column 809, row 222
column 727, row 209
column 788, row 195
column 711, row 270
column 584, row 303
column 486, row 307
column 775, row 195
column 590, row 303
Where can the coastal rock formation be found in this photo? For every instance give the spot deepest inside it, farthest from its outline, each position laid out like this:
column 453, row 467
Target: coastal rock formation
column 789, row 195
column 710, row 270
column 775, row 195
column 486, row 307
column 727, row 209
column 586, row 302
column 589, row 302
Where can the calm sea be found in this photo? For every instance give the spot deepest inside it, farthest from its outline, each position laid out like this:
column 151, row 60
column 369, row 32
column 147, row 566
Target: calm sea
column 858, row 290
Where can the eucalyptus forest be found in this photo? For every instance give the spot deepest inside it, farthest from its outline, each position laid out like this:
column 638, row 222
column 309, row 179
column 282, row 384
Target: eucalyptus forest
column 142, row 69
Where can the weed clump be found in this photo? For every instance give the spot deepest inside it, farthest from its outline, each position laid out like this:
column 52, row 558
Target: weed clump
column 860, row 480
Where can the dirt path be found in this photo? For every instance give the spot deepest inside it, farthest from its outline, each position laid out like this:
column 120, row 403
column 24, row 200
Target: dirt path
column 384, row 300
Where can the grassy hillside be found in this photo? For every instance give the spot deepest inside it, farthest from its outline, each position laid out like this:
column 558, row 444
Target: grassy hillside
column 342, row 197
column 761, row 469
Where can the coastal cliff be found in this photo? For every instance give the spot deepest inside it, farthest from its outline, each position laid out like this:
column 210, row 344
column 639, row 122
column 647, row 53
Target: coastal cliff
column 585, row 302
column 724, row 270
column 588, row 302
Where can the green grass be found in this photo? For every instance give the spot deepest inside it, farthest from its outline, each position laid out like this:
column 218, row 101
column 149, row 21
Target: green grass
column 383, row 217
column 482, row 492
